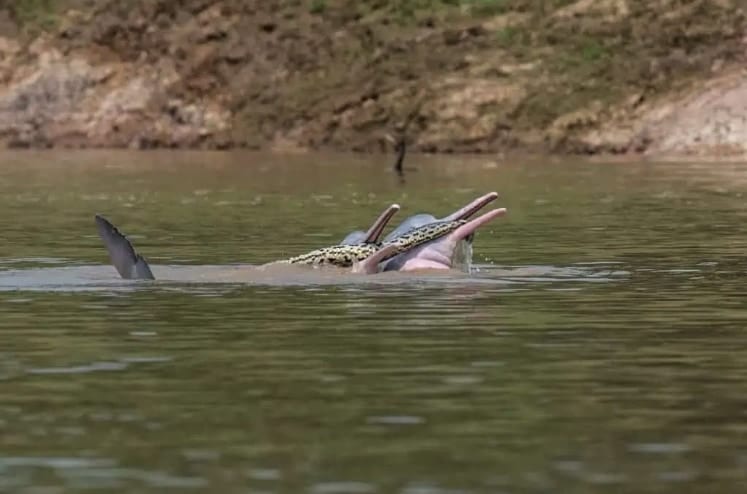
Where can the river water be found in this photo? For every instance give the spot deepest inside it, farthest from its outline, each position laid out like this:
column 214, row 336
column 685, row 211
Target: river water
column 599, row 346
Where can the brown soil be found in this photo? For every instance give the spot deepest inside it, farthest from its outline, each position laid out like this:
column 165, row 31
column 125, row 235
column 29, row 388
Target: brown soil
column 584, row 76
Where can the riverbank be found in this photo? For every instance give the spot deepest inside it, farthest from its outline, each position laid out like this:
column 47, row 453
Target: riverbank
column 585, row 77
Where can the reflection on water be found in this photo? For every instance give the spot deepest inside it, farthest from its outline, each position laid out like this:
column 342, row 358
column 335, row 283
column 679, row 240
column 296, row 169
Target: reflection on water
column 599, row 345
column 189, row 278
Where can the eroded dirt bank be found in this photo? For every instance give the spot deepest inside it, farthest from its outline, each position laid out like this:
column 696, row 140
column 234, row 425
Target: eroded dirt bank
column 585, row 76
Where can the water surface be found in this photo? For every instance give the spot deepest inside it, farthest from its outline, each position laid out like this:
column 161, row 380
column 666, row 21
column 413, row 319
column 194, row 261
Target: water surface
column 600, row 344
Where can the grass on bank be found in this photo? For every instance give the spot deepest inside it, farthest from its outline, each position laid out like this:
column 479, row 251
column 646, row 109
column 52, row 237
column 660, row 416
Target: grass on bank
column 32, row 14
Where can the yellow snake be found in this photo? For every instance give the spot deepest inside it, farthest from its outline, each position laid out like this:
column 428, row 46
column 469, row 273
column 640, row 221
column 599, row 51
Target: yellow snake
column 346, row 255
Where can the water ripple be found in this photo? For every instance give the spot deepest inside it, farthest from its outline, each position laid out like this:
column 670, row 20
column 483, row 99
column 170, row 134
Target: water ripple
column 81, row 369
column 343, row 488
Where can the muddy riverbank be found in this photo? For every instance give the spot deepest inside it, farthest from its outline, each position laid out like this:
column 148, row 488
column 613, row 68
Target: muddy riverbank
column 608, row 76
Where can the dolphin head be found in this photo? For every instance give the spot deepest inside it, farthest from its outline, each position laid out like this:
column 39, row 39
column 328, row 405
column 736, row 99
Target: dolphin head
column 441, row 253
column 462, row 251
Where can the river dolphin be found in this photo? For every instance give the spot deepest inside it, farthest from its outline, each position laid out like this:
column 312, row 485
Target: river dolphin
column 459, row 242
column 442, row 252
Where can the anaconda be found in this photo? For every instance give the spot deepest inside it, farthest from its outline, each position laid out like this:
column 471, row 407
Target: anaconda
column 345, row 256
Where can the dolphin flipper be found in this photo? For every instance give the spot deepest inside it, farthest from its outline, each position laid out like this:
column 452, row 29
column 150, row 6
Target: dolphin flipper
column 129, row 264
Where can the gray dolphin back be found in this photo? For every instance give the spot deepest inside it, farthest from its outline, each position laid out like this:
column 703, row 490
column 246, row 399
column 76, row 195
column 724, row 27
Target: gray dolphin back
column 411, row 223
column 129, row 264
column 354, row 238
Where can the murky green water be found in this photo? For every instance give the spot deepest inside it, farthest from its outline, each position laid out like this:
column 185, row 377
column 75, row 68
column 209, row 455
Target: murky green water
column 601, row 347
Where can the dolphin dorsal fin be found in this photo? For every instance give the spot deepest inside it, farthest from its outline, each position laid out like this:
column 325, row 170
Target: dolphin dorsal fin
column 129, row 263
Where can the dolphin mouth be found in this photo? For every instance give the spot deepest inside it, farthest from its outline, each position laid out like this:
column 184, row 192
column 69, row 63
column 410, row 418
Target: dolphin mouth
column 374, row 232
column 472, row 208
column 448, row 252
column 377, row 228
column 463, row 252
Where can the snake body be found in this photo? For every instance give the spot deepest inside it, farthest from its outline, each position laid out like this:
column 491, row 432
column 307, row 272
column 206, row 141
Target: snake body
column 346, row 255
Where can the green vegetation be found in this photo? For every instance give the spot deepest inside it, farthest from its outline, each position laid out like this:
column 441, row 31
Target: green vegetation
column 32, row 14
column 509, row 36
column 318, row 6
column 485, row 7
column 471, row 7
